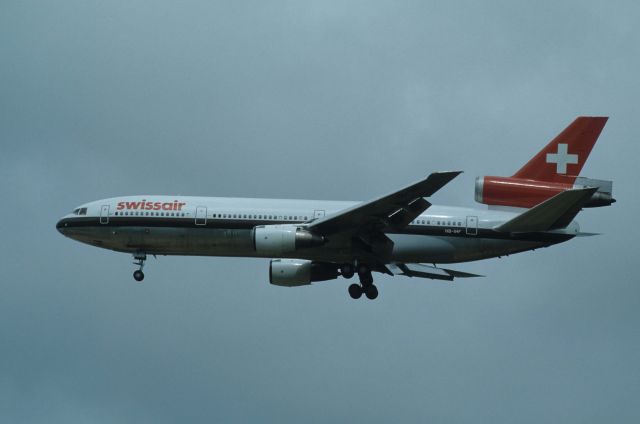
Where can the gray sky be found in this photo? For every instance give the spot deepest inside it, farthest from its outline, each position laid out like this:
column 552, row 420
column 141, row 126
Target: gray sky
column 328, row 100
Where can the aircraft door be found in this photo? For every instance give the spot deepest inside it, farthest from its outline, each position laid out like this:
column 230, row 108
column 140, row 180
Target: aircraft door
column 104, row 214
column 472, row 225
column 201, row 215
column 318, row 213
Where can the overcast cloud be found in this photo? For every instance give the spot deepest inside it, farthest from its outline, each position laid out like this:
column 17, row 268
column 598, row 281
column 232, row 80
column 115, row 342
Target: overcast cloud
column 328, row 100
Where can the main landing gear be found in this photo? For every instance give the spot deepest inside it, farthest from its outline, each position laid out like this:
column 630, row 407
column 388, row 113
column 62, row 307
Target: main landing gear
column 366, row 285
column 139, row 258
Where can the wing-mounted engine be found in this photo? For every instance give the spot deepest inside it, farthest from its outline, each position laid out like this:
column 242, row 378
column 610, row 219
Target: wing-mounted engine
column 279, row 239
column 527, row 193
column 299, row 272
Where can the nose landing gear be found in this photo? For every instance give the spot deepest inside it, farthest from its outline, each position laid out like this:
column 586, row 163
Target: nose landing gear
column 139, row 258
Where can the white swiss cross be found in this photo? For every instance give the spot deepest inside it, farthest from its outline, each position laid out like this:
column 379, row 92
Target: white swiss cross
column 562, row 158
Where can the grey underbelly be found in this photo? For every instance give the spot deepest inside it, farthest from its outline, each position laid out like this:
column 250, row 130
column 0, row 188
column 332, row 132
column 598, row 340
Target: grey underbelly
column 181, row 241
column 439, row 249
column 239, row 242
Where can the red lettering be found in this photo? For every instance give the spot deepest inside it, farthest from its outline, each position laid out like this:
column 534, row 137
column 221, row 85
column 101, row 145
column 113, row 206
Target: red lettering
column 156, row 206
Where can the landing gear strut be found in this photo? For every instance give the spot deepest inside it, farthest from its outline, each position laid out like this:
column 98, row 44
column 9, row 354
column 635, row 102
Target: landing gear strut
column 139, row 258
column 366, row 285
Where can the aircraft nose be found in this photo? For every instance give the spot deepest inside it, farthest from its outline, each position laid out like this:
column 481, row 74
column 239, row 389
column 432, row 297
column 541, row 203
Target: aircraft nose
column 61, row 226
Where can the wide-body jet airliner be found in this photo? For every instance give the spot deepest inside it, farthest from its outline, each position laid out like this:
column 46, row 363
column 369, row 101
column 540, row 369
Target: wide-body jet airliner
column 400, row 233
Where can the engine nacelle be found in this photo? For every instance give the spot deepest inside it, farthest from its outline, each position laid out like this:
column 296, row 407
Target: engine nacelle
column 525, row 193
column 279, row 239
column 300, row 272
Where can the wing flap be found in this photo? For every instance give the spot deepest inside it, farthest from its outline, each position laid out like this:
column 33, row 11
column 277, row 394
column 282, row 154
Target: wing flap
column 402, row 217
column 431, row 272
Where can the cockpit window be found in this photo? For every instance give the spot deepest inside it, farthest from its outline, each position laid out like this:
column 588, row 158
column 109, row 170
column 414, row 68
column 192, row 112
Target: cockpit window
column 80, row 211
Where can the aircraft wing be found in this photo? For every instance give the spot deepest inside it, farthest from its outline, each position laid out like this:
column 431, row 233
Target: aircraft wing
column 428, row 271
column 394, row 210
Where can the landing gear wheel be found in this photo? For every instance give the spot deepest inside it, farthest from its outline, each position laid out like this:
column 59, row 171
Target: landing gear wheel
column 347, row 271
column 139, row 259
column 355, row 291
column 371, row 292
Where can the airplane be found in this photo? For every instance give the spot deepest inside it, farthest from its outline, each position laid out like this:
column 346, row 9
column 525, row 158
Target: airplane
column 400, row 233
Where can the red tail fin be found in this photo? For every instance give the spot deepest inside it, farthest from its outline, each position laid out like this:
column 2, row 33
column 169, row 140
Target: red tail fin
column 563, row 158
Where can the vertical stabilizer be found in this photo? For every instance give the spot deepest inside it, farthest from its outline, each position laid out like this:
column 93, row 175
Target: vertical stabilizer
column 563, row 158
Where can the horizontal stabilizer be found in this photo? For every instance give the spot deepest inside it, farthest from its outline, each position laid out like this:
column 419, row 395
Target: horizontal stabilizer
column 552, row 214
column 428, row 271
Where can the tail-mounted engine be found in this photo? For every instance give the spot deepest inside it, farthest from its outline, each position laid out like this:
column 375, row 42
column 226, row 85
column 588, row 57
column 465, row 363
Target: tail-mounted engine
column 278, row 239
column 526, row 193
column 299, row 272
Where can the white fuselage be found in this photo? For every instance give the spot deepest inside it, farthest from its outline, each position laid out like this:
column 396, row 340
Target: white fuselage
column 213, row 226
